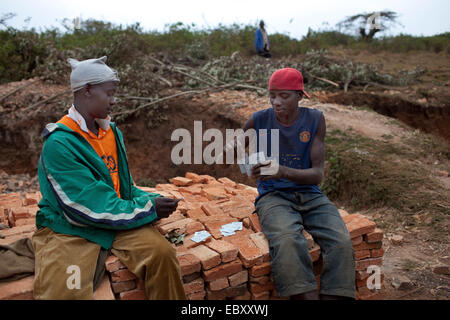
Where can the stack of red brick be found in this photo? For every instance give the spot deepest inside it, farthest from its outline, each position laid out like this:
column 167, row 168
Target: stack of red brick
column 221, row 267
column 19, row 214
column 237, row 266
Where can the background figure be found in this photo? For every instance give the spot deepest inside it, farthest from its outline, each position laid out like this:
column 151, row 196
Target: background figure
column 262, row 41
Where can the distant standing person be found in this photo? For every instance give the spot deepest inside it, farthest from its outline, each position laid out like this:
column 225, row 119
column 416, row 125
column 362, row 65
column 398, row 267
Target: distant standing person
column 262, row 41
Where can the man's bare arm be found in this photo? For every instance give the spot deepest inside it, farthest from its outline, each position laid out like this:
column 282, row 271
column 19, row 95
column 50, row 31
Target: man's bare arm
column 312, row 175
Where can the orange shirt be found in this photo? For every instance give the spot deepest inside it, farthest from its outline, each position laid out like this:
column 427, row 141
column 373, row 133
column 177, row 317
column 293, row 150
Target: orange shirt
column 104, row 144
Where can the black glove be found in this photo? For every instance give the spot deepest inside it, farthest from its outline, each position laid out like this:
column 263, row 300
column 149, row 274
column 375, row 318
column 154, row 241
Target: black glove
column 165, row 206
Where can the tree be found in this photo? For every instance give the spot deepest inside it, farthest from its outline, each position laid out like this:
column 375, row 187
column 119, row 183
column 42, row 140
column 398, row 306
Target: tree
column 5, row 17
column 368, row 24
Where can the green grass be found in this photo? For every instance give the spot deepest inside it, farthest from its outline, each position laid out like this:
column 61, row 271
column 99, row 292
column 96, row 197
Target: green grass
column 410, row 265
column 364, row 173
column 23, row 51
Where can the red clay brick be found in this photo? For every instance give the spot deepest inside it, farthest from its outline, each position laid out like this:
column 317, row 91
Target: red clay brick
column 242, row 212
column 259, row 279
column 230, row 190
column 135, row 294
column 18, row 213
column 195, row 213
column 179, row 224
column 122, row 275
column 260, row 270
column 4, row 216
column 181, row 182
column 259, row 239
column 364, row 245
column 315, row 252
column 246, row 223
column 189, row 263
column 24, row 222
column 208, row 258
column 188, row 243
column 254, row 223
column 249, row 253
column 119, row 287
column 31, row 198
column 235, row 202
column 196, row 178
column 194, row 286
column 374, row 236
column 358, row 225
column 238, row 278
column 194, row 189
column 214, row 226
column 362, row 254
column 10, row 200
column 228, row 251
column 113, row 263
column 172, row 218
column 18, row 230
column 223, row 270
column 165, row 187
column 357, row 240
column 17, row 290
column 194, row 227
column 218, row 284
column 209, row 179
column 228, row 182
column 214, row 192
column 376, row 253
column 258, row 288
column 212, row 210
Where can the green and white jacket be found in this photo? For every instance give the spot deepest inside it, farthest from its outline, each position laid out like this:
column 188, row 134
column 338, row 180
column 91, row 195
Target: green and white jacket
column 78, row 196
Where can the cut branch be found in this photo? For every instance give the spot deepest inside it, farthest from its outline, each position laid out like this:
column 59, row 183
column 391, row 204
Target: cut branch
column 131, row 111
column 37, row 104
column 18, row 89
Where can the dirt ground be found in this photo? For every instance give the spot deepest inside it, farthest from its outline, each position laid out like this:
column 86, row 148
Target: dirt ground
column 400, row 114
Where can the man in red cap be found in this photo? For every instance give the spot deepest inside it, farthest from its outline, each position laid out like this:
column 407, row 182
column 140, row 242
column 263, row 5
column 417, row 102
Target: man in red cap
column 290, row 200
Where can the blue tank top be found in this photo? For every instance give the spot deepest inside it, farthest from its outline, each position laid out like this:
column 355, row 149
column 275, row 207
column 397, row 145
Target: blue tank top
column 294, row 147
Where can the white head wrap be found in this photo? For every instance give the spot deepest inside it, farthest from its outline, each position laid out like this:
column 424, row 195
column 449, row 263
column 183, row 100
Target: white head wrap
column 92, row 71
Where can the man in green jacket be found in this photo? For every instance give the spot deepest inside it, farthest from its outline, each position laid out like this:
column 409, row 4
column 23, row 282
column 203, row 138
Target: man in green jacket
column 90, row 204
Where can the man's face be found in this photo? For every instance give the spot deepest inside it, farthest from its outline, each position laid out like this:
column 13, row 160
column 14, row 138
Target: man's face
column 284, row 102
column 102, row 99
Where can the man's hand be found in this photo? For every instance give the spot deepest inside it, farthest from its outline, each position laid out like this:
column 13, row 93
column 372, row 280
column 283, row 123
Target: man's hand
column 256, row 171
column 165, row 206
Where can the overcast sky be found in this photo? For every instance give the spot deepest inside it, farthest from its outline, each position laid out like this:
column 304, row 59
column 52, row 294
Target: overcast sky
column 292, row 17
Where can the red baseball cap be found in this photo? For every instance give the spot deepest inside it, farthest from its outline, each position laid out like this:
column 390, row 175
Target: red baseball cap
column 287, row 79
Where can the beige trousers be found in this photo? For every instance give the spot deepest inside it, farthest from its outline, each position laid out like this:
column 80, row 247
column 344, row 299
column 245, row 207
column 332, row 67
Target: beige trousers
column 60, row 257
